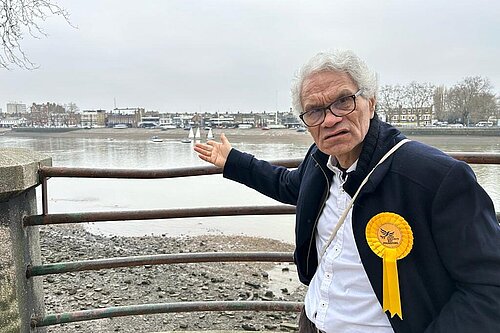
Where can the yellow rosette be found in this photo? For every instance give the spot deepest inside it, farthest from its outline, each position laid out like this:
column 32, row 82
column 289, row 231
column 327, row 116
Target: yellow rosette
column 391, row 238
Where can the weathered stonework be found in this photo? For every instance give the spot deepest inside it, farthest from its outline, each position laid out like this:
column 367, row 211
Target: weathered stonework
column 9, row 312
column 19, row 170
column 20, row 298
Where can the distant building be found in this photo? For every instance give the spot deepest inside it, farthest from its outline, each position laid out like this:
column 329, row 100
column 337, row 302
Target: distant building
column 124, row 116
column 167, row 121
column 51, row 115
column 222, row 121
column 93, row 118
column 290, row 120
column 16, row 108
column 55, row 115
column 149, row 121
column 245, row 120
column 405, row 117
column 8, row 122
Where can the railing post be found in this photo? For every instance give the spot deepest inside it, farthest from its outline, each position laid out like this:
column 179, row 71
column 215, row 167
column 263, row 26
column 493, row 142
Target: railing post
column 20, row 298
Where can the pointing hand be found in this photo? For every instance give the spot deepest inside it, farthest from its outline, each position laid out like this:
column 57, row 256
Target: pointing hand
column 214, row 152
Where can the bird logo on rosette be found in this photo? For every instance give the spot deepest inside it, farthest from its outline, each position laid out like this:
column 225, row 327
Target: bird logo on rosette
column 390, row 237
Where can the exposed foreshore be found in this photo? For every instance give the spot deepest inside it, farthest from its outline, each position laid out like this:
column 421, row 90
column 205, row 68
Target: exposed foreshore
column 255, row 135
column 166, row 283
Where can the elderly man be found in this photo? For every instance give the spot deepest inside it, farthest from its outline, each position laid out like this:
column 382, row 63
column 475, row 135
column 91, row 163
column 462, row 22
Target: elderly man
column 391, row 235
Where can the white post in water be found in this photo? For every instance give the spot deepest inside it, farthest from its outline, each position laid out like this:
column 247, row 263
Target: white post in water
column 20, row 298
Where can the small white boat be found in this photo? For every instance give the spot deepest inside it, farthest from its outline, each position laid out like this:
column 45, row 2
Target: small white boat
column 197, row 135
column 190, row 136
column 301, row 129
column 167, row 127
column 276, row 126
column 156, row 139
column 244, row 126
column 210, row 135
column 120, row 126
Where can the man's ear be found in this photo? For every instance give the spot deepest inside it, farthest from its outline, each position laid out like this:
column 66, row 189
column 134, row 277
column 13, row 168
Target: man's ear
column 372, row 102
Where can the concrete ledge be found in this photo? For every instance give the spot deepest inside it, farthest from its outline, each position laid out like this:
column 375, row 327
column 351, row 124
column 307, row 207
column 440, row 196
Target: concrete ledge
column 19, row 170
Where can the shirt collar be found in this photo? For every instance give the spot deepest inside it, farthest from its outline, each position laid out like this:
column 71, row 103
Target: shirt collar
column 332, row 165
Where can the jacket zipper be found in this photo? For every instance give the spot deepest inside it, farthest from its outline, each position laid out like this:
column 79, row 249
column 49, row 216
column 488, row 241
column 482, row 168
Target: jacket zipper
column 325, row 196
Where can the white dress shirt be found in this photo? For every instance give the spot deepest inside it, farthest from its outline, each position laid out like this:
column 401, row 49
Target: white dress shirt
column 340, row 298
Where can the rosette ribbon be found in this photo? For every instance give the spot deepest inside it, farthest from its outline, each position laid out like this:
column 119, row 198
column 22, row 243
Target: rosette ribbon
column 390, row 237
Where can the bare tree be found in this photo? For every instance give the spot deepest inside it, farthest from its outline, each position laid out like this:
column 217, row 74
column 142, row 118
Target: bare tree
column 71, row 107
column 439, row 99
column 419, row 97
column 391, row 99
column 18, row 17
column 471, row 100
column 497, row 109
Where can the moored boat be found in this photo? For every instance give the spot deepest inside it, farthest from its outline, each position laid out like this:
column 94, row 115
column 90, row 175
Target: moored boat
column 156, row 139
column 190, row 136
column 210, row 135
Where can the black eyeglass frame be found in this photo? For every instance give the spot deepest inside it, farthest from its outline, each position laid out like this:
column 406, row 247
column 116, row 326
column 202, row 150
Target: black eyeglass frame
column 329, row 108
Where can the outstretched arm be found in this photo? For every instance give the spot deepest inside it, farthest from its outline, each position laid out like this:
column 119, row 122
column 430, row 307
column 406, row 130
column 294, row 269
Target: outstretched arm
column 214, row 152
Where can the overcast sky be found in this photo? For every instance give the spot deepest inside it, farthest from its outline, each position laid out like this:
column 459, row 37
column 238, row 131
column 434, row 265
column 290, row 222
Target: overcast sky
column 233, row 55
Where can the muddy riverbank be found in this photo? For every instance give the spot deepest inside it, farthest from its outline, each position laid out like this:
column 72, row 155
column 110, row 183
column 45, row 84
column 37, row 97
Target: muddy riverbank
column 166, row 283
column 254, row 135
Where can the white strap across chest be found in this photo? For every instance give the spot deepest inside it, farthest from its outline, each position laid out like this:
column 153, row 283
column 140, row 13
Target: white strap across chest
column 349, row 206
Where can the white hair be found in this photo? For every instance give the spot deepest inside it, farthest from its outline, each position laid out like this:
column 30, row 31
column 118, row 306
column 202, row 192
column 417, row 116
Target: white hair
column 345, row 61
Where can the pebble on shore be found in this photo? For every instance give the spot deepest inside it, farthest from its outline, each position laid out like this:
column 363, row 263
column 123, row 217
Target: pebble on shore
column 163, row 283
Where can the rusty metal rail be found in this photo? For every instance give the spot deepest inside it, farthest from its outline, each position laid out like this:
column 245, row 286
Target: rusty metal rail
column 120, row 311
column 160, row 259
column 476, row 158
column 156, row 214
column 47, row 172
column 64, row 267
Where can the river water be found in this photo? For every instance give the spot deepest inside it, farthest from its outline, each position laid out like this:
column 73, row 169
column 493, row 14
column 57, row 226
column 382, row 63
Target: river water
column 83, row 195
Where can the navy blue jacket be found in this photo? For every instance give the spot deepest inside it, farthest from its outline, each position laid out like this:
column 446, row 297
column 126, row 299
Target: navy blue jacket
column 450, row 281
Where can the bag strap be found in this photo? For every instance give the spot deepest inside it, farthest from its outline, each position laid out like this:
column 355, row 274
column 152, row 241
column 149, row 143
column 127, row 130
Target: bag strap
column 349, row 206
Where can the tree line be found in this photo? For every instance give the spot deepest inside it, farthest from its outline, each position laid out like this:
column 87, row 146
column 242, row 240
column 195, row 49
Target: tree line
column 467, row 102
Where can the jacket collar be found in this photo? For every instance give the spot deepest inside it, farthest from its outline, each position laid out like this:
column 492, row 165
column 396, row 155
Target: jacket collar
column 380, row 138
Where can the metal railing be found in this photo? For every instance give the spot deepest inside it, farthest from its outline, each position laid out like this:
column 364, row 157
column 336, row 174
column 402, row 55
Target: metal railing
column 64, row 267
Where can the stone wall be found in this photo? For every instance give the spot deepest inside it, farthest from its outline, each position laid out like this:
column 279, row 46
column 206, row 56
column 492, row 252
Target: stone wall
column 20, row 298
column 9, row 312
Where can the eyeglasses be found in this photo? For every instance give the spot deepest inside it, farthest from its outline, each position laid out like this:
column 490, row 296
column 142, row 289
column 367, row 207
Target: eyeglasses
column 340, row 108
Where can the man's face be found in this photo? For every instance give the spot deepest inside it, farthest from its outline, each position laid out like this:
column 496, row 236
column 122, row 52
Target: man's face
column 341, row 137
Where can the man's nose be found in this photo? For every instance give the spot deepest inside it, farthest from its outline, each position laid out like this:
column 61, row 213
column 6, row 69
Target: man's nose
column 331, row 119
